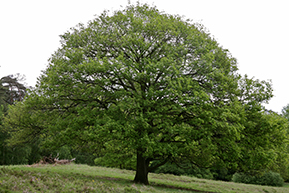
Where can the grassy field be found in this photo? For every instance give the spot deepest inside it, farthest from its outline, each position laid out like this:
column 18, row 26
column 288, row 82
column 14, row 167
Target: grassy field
column 83, row 178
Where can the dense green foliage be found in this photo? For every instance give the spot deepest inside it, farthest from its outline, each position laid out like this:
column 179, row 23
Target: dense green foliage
column 269, row 179
column 139, row 85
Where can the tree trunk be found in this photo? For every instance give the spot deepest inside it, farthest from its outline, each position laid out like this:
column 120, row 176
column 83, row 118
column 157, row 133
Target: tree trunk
column 142, row 166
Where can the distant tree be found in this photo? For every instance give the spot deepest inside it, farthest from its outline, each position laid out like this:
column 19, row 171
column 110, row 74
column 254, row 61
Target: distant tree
column 12, row 89
column 265, row 140
column 146, row 83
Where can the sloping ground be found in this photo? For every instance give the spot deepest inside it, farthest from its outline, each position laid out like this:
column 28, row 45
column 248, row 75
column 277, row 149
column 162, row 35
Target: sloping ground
column 83, row 178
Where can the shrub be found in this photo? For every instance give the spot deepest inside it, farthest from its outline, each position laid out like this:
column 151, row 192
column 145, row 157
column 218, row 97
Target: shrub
column 170, row 168
column 222, row 173
column 269, row 179
column 189, row 170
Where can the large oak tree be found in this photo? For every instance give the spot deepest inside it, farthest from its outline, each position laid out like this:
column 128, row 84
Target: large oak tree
column 139, row 81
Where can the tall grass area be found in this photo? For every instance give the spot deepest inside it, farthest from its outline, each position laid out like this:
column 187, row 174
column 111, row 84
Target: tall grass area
column 83, row 178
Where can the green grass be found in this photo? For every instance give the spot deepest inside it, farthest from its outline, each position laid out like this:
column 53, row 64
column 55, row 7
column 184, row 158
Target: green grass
column 83, row 178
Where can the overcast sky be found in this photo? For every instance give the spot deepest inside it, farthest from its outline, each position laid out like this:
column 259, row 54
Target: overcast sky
column 254, row 31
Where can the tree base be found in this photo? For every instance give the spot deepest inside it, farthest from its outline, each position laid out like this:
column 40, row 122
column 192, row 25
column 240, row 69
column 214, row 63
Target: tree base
column 141, row 180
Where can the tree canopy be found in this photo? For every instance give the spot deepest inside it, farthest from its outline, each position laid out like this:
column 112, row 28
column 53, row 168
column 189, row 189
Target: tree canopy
column 146, row 84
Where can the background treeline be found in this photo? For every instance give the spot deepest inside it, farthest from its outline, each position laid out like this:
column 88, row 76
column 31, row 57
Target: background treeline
column 13, row 90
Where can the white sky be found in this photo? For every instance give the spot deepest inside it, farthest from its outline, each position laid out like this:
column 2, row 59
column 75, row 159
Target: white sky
column 255, row 31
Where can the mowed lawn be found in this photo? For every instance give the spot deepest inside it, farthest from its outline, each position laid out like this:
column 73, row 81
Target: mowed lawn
column 83, row 178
